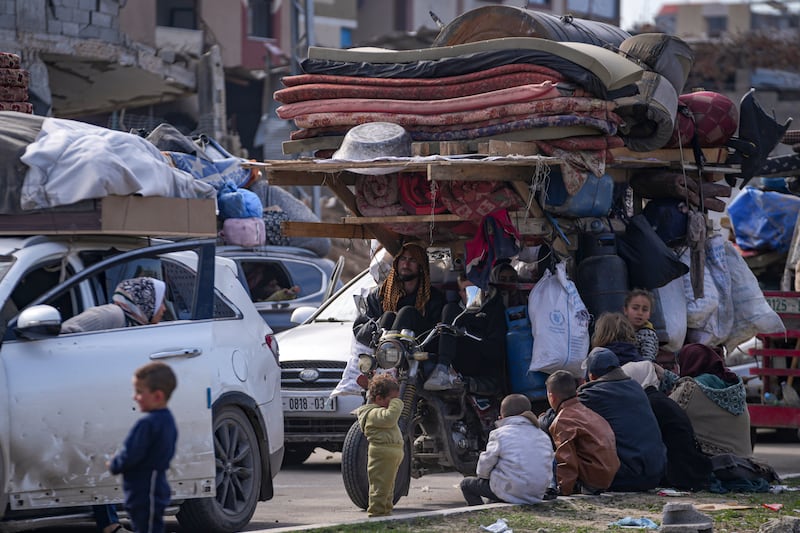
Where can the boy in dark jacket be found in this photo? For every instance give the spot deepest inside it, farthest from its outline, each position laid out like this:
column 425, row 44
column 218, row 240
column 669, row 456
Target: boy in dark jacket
column 622, row 402
column 148, row 449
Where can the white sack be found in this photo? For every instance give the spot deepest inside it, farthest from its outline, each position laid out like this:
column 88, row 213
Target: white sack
column 559, row 323
column 751, row 312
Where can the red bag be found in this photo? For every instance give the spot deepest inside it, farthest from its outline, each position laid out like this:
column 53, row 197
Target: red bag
column 714, row 116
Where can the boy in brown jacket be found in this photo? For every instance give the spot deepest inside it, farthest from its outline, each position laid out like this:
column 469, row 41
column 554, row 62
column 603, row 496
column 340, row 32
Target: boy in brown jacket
column 586, row 451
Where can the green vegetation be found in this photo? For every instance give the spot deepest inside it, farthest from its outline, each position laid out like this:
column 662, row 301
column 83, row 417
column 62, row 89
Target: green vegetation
column 589, row 514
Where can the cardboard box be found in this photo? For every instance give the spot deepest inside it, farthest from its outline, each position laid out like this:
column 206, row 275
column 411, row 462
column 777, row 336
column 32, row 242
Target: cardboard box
column 149, row 216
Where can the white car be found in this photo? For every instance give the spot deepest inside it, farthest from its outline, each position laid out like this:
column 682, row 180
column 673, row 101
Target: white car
column 67, row 404
column 313, row 358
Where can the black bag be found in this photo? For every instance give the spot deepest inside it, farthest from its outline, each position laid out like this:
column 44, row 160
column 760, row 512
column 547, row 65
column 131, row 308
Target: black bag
column 669, row 218
column 651, row 263
column 730, row 467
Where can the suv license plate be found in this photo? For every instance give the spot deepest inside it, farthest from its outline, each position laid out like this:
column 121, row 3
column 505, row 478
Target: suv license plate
column 308, row 403
column 781, row 304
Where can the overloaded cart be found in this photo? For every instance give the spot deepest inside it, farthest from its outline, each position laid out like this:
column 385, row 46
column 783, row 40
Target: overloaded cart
column 581, row 162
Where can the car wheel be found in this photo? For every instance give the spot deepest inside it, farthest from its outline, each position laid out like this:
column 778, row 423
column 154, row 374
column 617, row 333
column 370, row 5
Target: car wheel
column 238, row 478
column 354, row 469
column 296, row 454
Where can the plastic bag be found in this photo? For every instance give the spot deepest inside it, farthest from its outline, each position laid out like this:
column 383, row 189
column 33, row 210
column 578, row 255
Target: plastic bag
column 559, row 323
column 674, row 310
column 751, row 312
column 651, row 263
column 238, row 203
column 763, row 220
column 348, row 385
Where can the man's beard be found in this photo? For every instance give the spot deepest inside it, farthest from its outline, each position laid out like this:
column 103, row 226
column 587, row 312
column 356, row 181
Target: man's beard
column 407, row 277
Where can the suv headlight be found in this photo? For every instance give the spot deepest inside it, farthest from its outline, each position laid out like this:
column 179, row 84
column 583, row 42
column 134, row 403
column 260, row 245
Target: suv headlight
column 389, row 353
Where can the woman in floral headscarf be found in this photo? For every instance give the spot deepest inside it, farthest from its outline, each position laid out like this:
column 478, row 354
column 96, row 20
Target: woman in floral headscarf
column 136, row 302
column 715, row 400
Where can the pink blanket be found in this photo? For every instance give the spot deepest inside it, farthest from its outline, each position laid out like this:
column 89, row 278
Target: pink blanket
column 302, row 79
column 553, row 106
column 319, row 91
column 524, row 93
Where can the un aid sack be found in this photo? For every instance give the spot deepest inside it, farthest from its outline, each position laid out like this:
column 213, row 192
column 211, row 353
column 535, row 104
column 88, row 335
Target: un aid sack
column 559, row 324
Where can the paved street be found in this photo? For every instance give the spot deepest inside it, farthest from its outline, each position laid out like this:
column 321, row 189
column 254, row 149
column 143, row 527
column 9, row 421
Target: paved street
column 313, row 492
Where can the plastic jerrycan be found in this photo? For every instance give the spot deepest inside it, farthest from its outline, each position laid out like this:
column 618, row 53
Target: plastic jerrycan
column 519, row 350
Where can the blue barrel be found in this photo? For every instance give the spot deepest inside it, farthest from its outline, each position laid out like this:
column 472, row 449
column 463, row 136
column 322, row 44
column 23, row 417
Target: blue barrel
column 519, row 350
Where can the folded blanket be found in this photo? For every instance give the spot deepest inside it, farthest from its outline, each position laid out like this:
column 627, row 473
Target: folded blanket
column 459, row 79
column 548, row 106
column 319, row 91
column 524, row 93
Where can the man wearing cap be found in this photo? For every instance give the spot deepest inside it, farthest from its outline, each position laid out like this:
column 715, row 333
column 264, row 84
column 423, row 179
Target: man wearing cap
column 612, row 394
column 404, row 300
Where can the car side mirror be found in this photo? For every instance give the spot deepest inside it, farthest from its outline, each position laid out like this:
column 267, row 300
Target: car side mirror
column 301, row 314
column 38, row 322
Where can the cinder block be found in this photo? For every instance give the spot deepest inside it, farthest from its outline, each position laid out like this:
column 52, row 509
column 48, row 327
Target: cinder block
column 54, row 26
column 81, row 16
column 89, row 32
column 101, row 20
column 70, row 29
column 31, row 16
column 109, row 35
column 110, row 7
column 8, row 7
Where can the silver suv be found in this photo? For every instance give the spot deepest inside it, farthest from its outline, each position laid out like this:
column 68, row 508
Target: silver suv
column 313, row 358
column 66, row 402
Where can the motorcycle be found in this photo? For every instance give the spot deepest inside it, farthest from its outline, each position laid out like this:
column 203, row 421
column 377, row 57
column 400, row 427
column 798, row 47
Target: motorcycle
column 443, row 431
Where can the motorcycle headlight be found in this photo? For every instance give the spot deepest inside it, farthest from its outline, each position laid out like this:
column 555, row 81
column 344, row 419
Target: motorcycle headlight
column 389, row 353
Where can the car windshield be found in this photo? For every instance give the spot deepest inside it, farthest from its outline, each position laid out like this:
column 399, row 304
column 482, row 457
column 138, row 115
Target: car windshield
column 342, row 306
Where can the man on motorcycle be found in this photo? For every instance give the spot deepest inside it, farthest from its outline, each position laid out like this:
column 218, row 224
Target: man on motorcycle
column 404, row 300
column 480, row 364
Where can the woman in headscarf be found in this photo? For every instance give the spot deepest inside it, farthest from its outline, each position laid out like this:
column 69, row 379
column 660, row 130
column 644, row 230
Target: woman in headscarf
column 688, row 468
column 504, row 278
column 135, row 302
column 715, row 400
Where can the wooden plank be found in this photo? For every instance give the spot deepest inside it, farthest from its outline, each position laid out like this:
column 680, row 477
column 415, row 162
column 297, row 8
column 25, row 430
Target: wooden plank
column 324, row 229
column 530, row 226
column 305, row 178
column 403, row 219
column 479, row 173
column 512, row 148
column 664, row 155
column 330, row 142
column 456, row 147
column 388, row 238
column 424, row 148
column 558, row 243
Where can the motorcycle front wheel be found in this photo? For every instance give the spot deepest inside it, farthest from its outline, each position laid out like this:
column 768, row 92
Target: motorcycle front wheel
column 354, row 469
